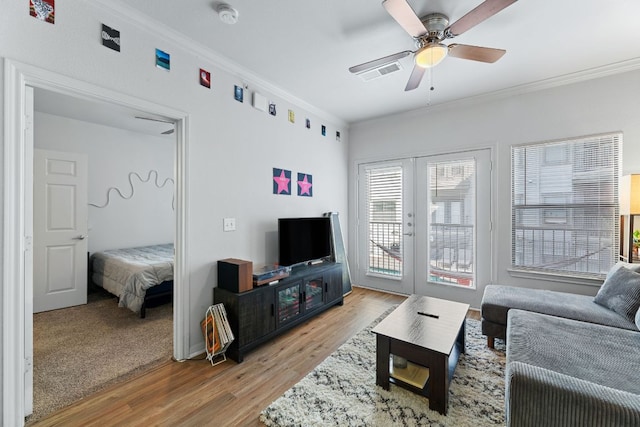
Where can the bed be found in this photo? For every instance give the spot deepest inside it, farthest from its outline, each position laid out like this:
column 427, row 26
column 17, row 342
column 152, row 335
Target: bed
column 135, row 275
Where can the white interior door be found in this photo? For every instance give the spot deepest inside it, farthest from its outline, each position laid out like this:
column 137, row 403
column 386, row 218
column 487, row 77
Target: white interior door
column 60, row 230
column 386, row 226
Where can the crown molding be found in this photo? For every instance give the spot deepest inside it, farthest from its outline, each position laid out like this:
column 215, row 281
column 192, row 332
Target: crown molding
column 160, row 30
column 550, row 83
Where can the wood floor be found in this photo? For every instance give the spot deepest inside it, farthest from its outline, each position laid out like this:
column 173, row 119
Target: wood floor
column 193, row 393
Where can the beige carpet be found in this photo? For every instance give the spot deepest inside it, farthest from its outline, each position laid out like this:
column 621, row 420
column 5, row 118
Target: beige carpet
column 81, row 350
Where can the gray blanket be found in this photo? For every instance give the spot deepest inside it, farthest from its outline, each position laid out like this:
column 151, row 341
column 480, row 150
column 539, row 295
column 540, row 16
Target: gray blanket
column 128, row 273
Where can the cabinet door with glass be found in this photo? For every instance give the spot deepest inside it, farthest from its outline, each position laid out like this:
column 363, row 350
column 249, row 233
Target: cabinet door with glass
column 313, row 293
column 289, row 302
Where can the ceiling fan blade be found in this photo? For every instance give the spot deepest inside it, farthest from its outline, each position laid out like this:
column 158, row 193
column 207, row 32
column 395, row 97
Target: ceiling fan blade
column 475, row 53
column 484, row 11
column 379, row 62
column 405, row 16
column 152, row 119
column 415, row 78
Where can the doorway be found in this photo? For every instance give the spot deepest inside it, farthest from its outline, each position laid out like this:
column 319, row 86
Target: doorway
column 17, row 281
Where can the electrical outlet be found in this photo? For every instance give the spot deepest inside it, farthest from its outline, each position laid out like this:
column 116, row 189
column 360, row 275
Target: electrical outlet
column 229, row 224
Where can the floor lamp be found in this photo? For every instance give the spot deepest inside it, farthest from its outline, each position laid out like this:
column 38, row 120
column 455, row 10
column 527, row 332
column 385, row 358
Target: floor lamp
column 629, row 208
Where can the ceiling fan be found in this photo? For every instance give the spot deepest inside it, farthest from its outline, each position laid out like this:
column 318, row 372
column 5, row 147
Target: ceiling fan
column 430, row 31
column 166, row 132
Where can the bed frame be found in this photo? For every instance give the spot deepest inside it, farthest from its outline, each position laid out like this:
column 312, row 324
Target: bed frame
column 160, row 291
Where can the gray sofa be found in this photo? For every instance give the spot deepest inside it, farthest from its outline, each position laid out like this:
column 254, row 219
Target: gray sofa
column 562, row 372
column 572, row 360
column 497, row 300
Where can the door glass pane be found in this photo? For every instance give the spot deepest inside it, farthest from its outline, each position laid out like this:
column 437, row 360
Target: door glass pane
column 384, row 198
column 313, row 293
column 451, row 226
column 288, row 302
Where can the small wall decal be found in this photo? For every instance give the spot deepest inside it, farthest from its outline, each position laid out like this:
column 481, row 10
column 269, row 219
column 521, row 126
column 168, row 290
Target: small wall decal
column 43, row 10
column 307, row 123
column 238, row 93
column 281, row 181
column 205, row 78
column 292, row 116
column 305, row 185
column 338, row 135
column 272, row 108
column 323, row 129
column 163, row 60
column 110, row 38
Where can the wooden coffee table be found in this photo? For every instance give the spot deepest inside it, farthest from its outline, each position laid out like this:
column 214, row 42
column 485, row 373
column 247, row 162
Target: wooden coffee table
column 428, row 332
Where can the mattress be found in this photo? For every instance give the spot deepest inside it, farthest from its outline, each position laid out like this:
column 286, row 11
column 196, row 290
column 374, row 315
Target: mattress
column 129, row 273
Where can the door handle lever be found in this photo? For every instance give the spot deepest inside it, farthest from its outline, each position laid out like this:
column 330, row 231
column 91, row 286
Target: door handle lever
column 80, row 237
column 407, row 234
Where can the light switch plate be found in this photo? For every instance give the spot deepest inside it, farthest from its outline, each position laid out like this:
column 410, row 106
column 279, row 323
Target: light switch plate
column 229, row 224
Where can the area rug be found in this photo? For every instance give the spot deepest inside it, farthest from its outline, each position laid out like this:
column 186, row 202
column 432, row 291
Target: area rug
column 342, row 390
column 81, row 350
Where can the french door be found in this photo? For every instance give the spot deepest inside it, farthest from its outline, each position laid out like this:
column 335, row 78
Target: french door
column 385, row 226
column 424, row 224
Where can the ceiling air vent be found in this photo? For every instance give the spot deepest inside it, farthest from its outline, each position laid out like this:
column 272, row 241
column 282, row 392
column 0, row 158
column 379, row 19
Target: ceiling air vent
column 380, row 71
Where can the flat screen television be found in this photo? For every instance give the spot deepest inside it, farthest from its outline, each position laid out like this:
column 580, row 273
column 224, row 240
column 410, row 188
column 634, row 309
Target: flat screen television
column 303, row 240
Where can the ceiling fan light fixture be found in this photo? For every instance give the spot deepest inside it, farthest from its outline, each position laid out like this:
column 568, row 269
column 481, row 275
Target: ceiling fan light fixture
column 431, row 55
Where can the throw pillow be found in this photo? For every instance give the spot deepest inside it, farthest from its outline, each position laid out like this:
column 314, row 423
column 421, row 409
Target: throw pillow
column 620, row 292
column 638, row 319
column 620, row 264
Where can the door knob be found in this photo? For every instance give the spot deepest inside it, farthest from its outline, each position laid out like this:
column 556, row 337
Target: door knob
column 80, row 237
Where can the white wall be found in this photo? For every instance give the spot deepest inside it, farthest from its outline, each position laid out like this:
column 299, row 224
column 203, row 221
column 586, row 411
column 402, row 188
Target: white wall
column 147, row 218
column 601, row 105
column 232, row 147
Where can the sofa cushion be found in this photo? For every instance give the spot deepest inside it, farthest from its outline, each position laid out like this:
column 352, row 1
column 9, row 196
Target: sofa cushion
column 620, row 292
column 627, row 265
column 497, row 300
column 596, row 353
column 638, row 319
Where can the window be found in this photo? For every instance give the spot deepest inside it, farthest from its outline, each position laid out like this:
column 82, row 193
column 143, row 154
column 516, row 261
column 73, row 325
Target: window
column 451, row 201
column 564, row 196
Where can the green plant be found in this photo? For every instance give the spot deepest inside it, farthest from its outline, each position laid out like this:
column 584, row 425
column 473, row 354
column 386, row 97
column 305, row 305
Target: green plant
column 636, row 238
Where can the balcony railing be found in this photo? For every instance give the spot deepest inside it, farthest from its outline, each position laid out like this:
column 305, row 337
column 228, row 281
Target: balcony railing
column 450, row 252
column 385, row 248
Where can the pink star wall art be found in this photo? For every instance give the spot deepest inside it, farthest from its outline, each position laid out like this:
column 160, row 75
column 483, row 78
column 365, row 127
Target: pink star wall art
column 281, row 181
column 305, row 185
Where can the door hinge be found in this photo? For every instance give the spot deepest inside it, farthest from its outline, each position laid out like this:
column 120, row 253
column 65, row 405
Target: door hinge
column 28, row 243
column 28, row 122
column 28, row 364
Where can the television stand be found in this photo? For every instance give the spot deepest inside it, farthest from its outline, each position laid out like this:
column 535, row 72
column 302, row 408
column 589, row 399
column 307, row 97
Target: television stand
column 258, row 315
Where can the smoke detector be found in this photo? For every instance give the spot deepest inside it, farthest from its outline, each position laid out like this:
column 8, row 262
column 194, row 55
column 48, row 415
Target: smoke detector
column 227, row 14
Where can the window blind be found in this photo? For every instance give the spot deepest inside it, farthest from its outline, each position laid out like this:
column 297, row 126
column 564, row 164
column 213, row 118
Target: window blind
column 384, row 199
column 565, row 214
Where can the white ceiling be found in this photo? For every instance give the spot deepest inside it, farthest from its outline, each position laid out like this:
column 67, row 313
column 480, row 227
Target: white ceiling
column 306, row 47
column 103, row 113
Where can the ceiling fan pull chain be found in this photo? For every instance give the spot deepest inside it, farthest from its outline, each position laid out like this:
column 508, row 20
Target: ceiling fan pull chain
column 430, row 86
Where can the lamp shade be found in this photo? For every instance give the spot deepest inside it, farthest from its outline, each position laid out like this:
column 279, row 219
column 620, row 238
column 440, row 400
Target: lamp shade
column 630, row 195
column 431, row 55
